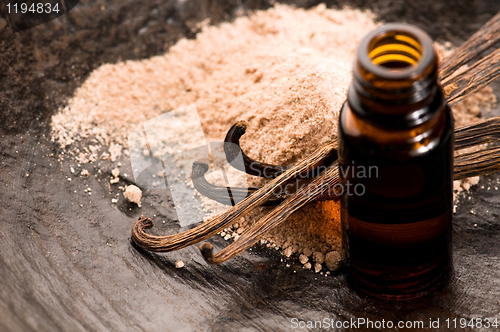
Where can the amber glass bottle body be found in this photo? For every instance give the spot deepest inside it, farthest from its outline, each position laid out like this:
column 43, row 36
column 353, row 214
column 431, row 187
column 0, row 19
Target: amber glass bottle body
column 396, row 166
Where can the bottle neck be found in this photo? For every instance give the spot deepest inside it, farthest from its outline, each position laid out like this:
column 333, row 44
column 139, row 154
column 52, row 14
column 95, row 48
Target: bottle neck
column 395, row 83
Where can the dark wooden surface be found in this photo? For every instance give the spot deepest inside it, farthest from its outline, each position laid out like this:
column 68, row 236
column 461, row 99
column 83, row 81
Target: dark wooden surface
column 66, row 260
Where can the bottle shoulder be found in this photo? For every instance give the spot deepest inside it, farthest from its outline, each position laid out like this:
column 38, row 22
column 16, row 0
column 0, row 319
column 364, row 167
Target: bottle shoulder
column 411, row 141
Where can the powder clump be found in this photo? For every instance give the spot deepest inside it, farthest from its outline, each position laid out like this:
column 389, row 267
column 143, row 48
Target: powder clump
column 133, row 194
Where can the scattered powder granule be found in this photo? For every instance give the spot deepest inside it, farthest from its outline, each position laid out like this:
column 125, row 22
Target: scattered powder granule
column 318, row 257
column 332, row 260
column 303, row 259
column 179, row 264
column 285, row 71
column 115, row 173
column 133, row 194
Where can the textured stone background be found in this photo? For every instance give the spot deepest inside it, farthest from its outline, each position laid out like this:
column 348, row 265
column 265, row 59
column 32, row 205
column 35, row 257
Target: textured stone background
column 66, row 261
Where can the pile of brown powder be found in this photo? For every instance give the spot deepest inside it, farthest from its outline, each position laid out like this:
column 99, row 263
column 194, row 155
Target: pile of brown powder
column 284, row 70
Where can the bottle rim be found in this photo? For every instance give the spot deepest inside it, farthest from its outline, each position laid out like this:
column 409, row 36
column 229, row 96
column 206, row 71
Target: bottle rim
column 426, row 60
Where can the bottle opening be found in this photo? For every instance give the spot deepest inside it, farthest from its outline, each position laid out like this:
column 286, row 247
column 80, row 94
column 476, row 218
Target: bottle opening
column 395, row 51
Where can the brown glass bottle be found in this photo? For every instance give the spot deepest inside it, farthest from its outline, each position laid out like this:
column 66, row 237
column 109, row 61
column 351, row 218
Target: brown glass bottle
column 396, row 166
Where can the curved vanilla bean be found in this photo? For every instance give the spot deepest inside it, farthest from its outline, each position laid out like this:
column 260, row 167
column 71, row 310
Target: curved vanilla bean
column 324, row 184
column 322, row 157
column 486, row 131
column 239, row 160
column 222, row 194
column 482, row 162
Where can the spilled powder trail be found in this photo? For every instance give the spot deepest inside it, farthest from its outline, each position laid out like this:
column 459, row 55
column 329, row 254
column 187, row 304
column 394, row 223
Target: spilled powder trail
column 284, row 70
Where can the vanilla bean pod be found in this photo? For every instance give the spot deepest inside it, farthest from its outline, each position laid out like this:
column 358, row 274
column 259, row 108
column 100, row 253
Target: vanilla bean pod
column 485, row 161
column 321, row 185
column 478, row 74
column 222, row 194
column 474, row 78
column 324, row 156
column 239, row 160
column 477, row 163
column 482, row 40
column 486, row 131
